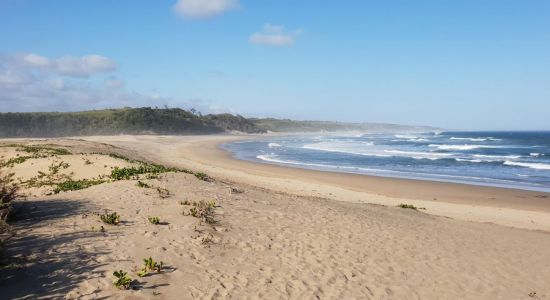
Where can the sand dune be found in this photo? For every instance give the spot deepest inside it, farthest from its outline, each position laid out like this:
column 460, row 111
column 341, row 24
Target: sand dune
column 277, row 240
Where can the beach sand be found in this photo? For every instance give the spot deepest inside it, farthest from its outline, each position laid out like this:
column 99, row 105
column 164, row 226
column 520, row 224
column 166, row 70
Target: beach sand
column 290, row 234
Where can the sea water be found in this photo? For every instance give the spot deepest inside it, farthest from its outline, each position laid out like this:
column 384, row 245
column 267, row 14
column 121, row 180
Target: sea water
column 505, row 159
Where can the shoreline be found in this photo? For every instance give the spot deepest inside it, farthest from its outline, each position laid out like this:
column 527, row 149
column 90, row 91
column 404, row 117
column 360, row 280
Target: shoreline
column 503, row 206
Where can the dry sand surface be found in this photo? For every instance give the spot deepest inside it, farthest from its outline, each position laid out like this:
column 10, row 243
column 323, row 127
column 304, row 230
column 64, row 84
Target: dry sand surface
column 290, row 234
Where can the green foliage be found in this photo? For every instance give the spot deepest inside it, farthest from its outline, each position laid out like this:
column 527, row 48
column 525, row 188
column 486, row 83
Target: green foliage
column 123, row 281
column 35, row 149
column 133, row 172
column 408, row 206
column 204, row 210
column 203, row 177
column 143, row 120
column 154, row 220
column 111, row 219
column 142, row 184
column 14, row 161
column 150, row 266
column 73, row 185
column 8, row 192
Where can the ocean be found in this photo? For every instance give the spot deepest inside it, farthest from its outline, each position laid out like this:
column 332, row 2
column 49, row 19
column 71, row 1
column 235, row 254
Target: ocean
column 505, row 159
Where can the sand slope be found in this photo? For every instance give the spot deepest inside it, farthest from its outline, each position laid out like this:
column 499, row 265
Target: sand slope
column 267, row 244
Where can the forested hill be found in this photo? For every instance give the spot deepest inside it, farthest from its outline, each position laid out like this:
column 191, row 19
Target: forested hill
column 169, row 121
column 120, row 121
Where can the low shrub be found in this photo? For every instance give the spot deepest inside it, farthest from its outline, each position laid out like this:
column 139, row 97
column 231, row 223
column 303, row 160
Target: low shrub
column 111, row 219
column 123, row 281
column 409, row 206
column 203, row 210
column 154, row 220
column 150, row 266
column 73, row 185
column 203, row 177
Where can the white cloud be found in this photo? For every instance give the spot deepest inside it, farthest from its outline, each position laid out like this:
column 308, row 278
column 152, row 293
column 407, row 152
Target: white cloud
column 36, row 60
column 274, row 36
column 31, row 82
column 83, row 66
column 198, row 9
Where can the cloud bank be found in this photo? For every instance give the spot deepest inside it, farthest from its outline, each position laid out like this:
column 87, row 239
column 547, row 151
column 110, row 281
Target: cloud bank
column 31, row 82
column 200, row 9
column 274, row 36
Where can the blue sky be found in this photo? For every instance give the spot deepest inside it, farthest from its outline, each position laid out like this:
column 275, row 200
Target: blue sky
column 456, row 64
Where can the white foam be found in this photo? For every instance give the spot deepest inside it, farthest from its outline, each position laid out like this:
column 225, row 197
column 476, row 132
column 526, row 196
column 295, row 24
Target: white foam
column 537, row 166
column 348, row 148
column 469, row 160
column 419, row 155
column 274, row 145
column 474, row 139
column 536, row 154
column 461, row 147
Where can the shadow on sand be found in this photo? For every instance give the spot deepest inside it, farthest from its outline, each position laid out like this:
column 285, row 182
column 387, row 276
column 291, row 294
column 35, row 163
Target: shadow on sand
column 40, row 265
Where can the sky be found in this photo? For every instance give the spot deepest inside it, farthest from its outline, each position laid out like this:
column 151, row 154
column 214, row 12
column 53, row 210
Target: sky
column 462, row 64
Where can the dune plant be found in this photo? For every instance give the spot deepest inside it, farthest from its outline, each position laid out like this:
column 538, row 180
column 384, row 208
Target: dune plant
column 73, row 185
column 149, row 265
column 142, row 184
column 111, row 219
column 203, row 177
column 123, row 281
column 408, row 206
column 154, row 220
column 204, row 210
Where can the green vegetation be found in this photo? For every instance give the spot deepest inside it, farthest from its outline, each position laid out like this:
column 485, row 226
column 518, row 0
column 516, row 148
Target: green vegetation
column 143, row 120
column 133, row 172
column 154, row 220
column 14, row 161
column 73, row 185
column 142, row 184
column 409, row 206
column 203, row 177
column 8, row 192
column 147, row 120
column 204, row 210
column 123, row 281
column 150, row 266
column 37, row 151
column 111, row 219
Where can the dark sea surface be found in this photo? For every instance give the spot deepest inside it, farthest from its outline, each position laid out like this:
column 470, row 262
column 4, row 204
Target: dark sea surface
column 504, row 159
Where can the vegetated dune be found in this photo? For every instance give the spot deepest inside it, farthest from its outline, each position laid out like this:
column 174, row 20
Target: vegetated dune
column 258, row 243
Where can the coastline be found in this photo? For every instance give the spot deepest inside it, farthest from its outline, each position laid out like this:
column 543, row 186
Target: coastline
column 503, row 206
column 274, row 231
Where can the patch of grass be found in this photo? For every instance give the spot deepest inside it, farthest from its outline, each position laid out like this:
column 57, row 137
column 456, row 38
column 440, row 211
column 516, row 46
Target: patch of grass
column 204, row 210
column 14, row 161
column 74, row 185
column 142, row 184
column 35, row 149
column 203, row 177
column 185, row 202
column 154, row 220
column 123, row 281
column 111, row 219
column 163, row 193
column 134, row 172
column 408, row 206
column 150, row 266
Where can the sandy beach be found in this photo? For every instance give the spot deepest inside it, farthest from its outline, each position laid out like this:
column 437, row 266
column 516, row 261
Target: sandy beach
column 280, row 233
